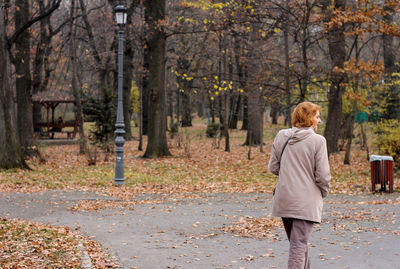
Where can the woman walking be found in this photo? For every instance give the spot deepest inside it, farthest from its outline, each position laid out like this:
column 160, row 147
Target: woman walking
column 299, row 157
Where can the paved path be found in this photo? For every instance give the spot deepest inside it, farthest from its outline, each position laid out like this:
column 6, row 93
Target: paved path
column 357, row 232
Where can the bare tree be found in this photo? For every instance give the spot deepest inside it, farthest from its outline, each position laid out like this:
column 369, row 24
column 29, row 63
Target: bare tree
column 389, row 59
column 338, row 53
column 76, row 91
column 10, row 148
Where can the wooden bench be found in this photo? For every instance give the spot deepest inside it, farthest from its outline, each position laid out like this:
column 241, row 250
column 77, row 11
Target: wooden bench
column 70, row 134
column 51, row 128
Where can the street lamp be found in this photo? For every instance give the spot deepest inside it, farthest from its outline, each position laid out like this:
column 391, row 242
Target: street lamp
column 120, row 16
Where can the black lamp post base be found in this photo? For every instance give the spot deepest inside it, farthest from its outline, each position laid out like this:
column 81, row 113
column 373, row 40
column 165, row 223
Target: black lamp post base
column 119, row 181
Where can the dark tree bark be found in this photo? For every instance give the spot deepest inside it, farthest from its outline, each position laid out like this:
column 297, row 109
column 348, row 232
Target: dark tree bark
column 389, row 59
column 211, row 107
column 274, row 113
column 287, row 62
column 226, row 126
column 226, row 104
column 350, row 127
column 186, row 86
column 145, row 91
column 38, row 63
column 245, row 112
column 140, row 146
column 349, row 133
column 337, row 51
column 23, row 78
column 200, row 109
column 220, row 112
column 255, row 120
column 10, row 148
column 127, row 85
column 241, row 71
column 156, row 41
column 129, row 54
column 235, row 110
column 186, row 109
column 178, row 106
column 75, row 89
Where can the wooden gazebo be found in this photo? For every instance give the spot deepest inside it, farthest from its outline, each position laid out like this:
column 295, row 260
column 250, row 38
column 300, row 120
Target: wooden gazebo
column 50, row 100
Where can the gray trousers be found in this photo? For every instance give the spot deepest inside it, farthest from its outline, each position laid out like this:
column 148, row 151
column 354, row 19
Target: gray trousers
column 298, row 231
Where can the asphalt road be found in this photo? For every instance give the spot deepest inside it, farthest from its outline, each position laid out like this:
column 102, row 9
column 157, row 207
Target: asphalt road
column 357, row 231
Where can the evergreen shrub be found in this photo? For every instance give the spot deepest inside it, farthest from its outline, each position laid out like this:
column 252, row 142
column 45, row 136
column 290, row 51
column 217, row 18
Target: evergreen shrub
column 101, row 111
column 212, row 129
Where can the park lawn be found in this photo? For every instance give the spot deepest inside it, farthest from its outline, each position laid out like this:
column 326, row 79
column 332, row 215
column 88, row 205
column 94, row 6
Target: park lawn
column 198, row 164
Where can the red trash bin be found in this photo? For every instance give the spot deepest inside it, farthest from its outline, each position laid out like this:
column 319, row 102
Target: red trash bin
column 382, row 172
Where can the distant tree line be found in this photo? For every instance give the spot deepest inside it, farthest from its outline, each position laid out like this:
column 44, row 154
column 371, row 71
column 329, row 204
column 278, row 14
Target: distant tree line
column 226, row 60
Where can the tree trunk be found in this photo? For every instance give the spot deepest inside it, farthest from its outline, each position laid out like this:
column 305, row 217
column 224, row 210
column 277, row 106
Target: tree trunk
column 364, row 139
column 245, row 112
column 129, row 53
column 274, row 113
column 75, row 89
column 170, row 108
column 127, row 86
column 185, row 87
column 226, row 103
column 220, row 111
column 254, row 128
column 186, row 109
column 235, row 110
column 211, row 103
column 226, row 126
column 200, row 109
column 140, row 146
column 354, row 107
column 38, row 63
column 23, row 78
column 389, row 58
column 287, row 62
column 10, row 148
column 145, row 88
column 337, row 51
column 242, row 74
column 349, row 134
column 156, row 41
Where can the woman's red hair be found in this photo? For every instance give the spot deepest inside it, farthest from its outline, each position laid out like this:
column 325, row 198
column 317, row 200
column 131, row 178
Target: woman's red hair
column 304, row 113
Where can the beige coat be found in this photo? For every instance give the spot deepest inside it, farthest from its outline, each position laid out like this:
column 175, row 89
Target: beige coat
column 303, row 174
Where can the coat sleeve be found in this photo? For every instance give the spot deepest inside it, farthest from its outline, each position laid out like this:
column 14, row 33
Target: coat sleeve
column 273, row 164
column 322, row 173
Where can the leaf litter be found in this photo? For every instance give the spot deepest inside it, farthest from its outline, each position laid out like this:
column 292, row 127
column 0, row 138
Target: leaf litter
column 207, row 169
column 26, row 244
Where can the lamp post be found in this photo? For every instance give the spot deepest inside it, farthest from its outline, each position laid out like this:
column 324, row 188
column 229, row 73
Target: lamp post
column 120, row 15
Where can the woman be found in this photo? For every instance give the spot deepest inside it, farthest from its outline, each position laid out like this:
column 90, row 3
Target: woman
column 299, row 157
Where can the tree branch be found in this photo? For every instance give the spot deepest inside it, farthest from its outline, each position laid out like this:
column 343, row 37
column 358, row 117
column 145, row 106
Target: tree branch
column 18, row 32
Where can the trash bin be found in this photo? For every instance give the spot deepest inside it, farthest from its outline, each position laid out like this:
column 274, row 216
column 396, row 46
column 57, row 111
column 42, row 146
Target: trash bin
column 382, row 172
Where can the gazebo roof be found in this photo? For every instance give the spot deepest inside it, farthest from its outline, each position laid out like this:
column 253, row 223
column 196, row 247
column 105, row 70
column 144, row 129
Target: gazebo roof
column 53, row 97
